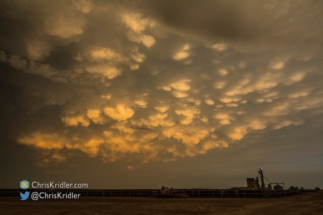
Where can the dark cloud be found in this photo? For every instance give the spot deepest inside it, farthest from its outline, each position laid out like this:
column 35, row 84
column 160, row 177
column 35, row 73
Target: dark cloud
column 214, row 19
column 283, row 23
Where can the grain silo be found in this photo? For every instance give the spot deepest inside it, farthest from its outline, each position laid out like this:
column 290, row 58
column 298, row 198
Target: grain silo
column 251, row 183
column 278, row 187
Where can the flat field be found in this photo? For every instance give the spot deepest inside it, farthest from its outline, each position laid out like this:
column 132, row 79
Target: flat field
column 306, row 203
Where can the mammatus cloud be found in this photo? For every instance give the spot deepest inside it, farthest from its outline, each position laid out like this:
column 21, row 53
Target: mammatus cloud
column 143, row 87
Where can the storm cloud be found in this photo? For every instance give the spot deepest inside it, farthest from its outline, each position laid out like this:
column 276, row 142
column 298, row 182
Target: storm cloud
column 156, row 80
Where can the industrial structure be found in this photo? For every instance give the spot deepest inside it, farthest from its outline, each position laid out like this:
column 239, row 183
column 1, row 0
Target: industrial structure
column 256, row 187
column 258, row 184
column 278, row 187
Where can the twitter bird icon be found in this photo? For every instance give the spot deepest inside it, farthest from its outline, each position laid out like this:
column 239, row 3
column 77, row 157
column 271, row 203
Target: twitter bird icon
column 24, row 196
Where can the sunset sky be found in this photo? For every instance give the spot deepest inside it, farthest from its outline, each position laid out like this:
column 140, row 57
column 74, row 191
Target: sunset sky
column 141, row 94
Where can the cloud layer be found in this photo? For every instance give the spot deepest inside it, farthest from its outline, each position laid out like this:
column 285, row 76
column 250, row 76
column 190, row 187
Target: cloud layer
column 161, row 80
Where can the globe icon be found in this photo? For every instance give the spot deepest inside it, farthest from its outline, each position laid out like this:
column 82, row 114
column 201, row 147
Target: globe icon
column 24, row 184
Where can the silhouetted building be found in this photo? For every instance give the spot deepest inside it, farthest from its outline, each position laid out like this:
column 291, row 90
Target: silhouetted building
column 257, row 183
column 251, row 183
column 278, row 187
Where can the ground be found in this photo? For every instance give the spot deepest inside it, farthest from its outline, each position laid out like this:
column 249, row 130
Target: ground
column 306, row 203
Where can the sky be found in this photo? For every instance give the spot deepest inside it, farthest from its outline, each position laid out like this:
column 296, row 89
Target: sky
column 141, row 94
